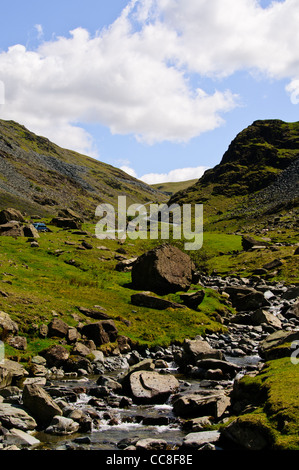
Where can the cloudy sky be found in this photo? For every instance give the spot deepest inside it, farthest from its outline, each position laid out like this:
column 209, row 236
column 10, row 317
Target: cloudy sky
column 156, row 87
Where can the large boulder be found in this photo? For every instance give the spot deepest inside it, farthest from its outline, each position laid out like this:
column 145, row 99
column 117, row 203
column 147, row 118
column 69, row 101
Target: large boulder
column 6, row 215
column 163, row 270
column 40, row 404
column 152, row 387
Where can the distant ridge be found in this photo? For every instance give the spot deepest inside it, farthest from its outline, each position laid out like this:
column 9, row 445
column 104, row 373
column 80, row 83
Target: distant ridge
column 173, row 187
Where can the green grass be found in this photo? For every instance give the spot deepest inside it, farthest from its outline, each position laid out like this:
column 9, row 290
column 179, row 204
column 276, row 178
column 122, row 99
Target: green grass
column 276, row 393
column 40, row 281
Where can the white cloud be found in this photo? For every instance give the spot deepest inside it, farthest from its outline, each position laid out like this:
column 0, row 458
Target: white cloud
column 134, row 77
column 130, row 171
column 180, row 174
column 40, row 31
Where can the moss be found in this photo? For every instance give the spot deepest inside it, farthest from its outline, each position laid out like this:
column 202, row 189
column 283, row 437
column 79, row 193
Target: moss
column 276, row 393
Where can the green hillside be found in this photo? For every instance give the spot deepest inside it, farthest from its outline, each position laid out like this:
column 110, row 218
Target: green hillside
column 40, row 177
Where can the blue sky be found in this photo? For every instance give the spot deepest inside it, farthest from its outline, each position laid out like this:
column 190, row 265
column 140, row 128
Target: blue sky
column 156, row 87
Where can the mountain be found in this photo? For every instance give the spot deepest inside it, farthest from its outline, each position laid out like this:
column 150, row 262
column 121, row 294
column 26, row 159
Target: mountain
column 39, row 177
column 257, row 174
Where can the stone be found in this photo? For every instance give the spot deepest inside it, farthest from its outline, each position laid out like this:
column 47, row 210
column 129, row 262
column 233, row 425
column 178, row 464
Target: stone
column 163, row 270
column 249, row 435
column 291, row 293
column 77, row 362
column 56, row 356
column 151, row 444
column 293, row 311
column 194, row 406
column 20, row 438
column 193, row 300
column 96, row 313
column 197, row 439
column 35, row 380
column 43, row 330
column 261, row 316
column 249, row 242
column 30, row 231
column 146, row 299
column 152, row 387
column 199, row 349
column 81, row 349
column 228, row 369
column 62, row 426
column 72, row 335
column 12, row 229
column 252, row 301
column 272, row 346
column 57, row 328
column 15, row 417
column 125, row 265
column 8, row 327
column 197, row 424
column 101, row 332
column 7, row 215
column 66, row 223
column 69, row 214
column 40, row 404
column 18, row 342
column 276, row 263
column 11, row 372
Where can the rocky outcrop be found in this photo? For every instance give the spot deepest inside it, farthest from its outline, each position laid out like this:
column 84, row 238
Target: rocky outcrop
column 163, row 270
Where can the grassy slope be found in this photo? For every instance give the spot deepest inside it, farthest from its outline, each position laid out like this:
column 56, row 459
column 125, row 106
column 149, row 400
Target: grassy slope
column 44, row 171
column 38, row 281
